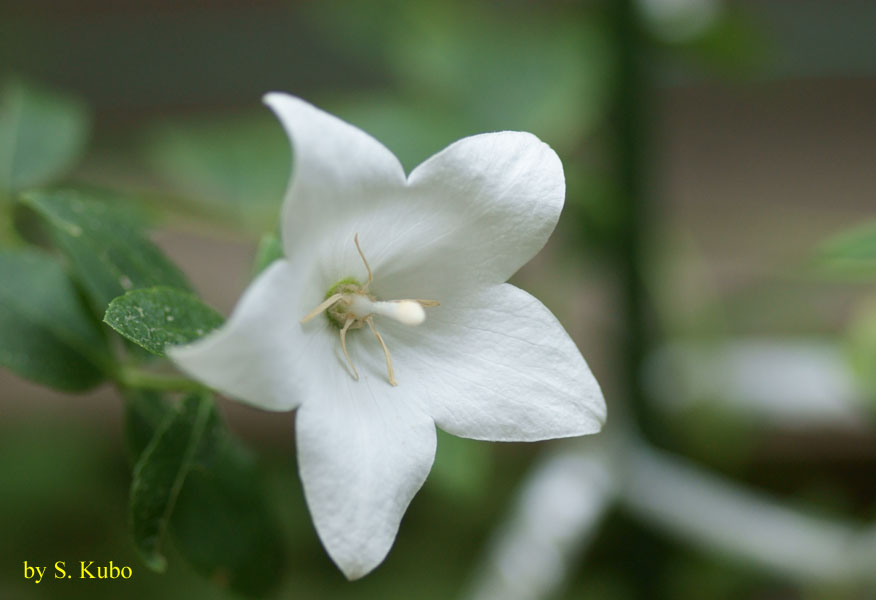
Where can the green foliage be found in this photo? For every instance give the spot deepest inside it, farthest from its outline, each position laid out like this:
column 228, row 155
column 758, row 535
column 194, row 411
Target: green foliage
column 42, row 133
column 461, row 55
column 270, row 249
column 235, row 168
column 413, row 129
column 195, row 478
column 462, row 468
column 160, row 473
column 158, row 316
column 735, row 44
column 861, row 346
column 46, row 334
column 222, row 523
column 851, row 252
column 460, row 70
column 144, row 412
column 104, row 243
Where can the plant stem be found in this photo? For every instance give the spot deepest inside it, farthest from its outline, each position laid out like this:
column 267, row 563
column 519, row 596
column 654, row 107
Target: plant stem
column 631, row 138
column 133, row 377
column 647, row 558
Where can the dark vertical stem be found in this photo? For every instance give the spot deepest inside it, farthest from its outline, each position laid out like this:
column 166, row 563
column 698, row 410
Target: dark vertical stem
column 629, row 122
column 631, row 136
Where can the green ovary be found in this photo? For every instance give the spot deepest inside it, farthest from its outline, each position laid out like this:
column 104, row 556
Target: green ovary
column 337, row 313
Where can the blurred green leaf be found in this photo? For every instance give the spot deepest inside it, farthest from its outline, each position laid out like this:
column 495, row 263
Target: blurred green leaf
column 46, row 334
column 270, row 249
column 462, row 467
column 158, row 316
column 469, row 57
column 196, row 479
column 236, row 167
column 861, row 346
column 160, row 473
column 105, row 244
column 42, row 134
column 849, row 256
column 734, row 44
column 144, row 412
column 468, row 67
column 413, row 130
column 222, row 523
column 854, row 249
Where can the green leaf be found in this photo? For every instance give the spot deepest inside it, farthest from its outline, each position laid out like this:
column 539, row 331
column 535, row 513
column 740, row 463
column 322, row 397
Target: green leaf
column 104, row 243
column 236, row 168
column 145, row 410
column 855, row 245
column 222, row 523
column 413, row 129
column 849, row 256
column 270, row 249
column 195, row 471
column 861, row 346
column 160, row 472
column 458, row 55
column 462, row 468
column 158, row 316
column 41, row 135
column 46, row 334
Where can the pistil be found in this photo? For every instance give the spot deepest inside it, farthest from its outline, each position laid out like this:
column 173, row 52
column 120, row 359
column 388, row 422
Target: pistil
column 348, row 305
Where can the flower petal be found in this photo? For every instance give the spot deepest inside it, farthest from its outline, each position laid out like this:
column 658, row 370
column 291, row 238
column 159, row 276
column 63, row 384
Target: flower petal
column 486, row 205
column 335, row 168
column 261, row 355
column 470, row 215
column 363, row 452
column 497, row 365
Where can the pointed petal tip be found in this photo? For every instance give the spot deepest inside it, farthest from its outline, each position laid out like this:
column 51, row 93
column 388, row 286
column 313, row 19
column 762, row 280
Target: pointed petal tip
column 596, row 413
column 356, row 563
column 276, row 100
column 355, row 571
column 271, row 98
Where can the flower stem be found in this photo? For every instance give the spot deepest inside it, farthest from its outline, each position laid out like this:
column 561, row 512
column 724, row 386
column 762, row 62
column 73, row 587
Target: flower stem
column 631, row 139
column 133, row 377
column 631, row 145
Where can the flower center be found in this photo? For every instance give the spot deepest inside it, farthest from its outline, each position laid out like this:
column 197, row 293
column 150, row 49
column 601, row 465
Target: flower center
column 348, row 305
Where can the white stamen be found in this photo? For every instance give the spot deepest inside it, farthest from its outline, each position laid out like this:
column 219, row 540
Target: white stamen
column 354, row 306
column 407, row 312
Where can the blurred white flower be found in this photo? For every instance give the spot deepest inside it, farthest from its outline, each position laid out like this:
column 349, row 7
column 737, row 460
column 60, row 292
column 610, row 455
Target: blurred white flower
column 485, row 360
column 786, row 382
column 559, row 510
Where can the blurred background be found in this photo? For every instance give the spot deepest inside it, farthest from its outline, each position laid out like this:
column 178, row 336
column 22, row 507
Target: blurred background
column 713, row 151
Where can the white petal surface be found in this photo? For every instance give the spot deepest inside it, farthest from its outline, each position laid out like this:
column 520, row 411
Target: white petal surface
column 486, row 205
column 261, row 355
column 471, row 215
column 336, row 167
column 497, row 365
column 363, row 452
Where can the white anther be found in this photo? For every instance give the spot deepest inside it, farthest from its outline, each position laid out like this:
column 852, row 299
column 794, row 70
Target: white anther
column 407, row 312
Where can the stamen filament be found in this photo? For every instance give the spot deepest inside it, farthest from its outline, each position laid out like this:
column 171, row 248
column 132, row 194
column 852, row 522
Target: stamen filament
column 350, row 321
column 389, row 369
column 362, row 255
column 324, row 306
column 352, row 305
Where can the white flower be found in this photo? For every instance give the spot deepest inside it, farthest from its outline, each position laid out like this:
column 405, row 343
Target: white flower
column 489, row 362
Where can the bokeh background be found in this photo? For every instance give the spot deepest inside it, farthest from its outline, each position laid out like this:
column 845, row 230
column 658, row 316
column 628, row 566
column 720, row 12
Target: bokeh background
column 710, row 149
